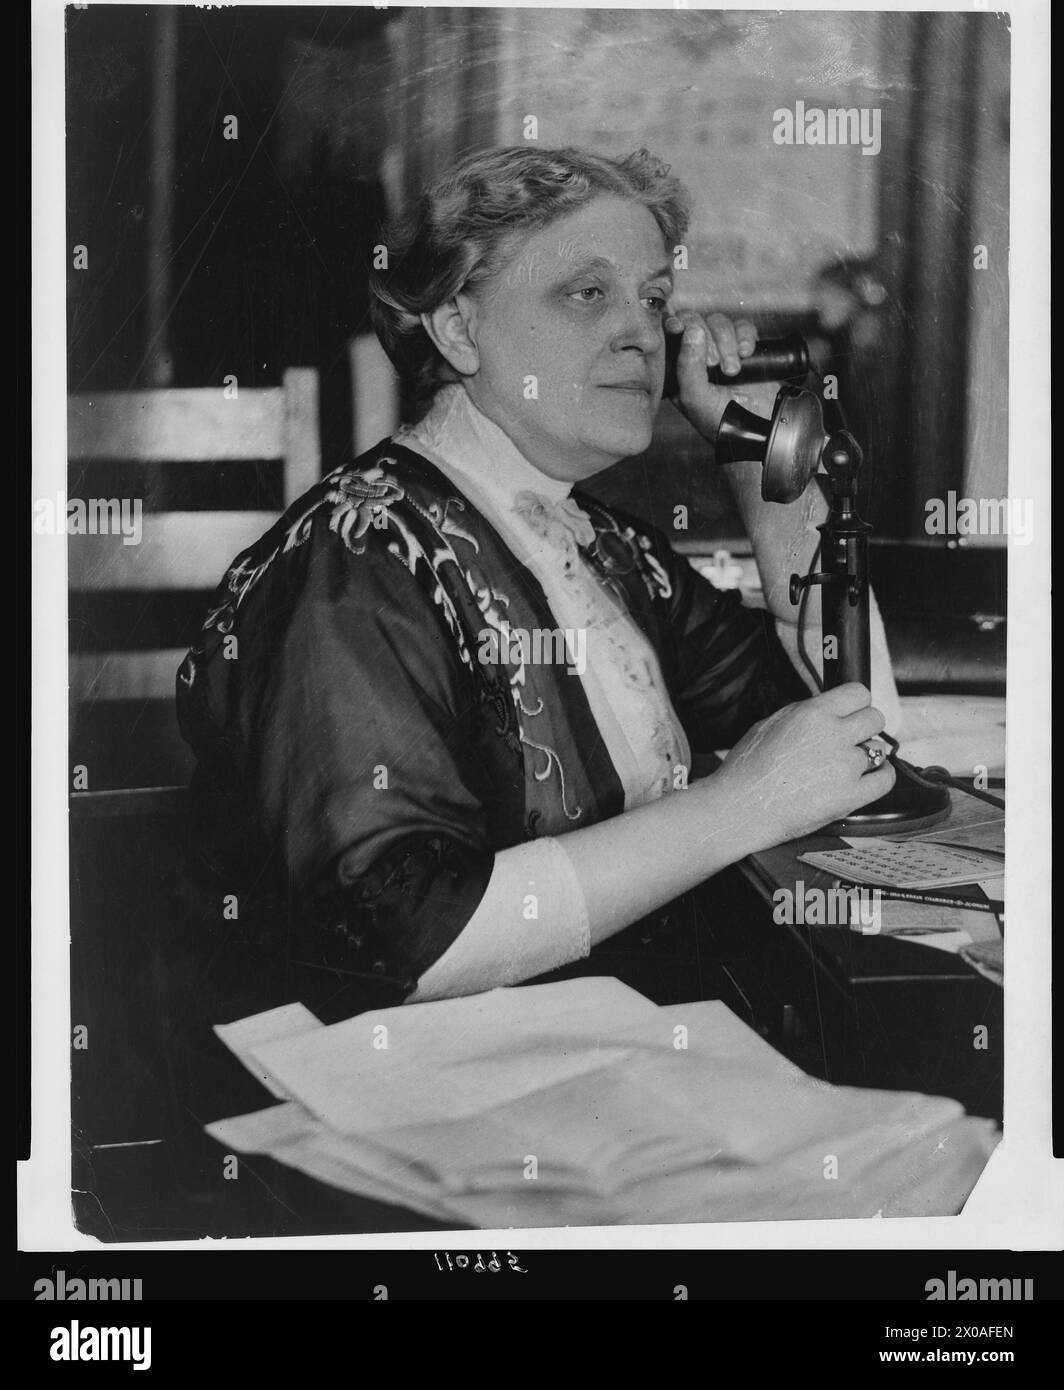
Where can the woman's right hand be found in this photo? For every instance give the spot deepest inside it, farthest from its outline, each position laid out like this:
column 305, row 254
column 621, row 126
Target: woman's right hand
column 802, row 767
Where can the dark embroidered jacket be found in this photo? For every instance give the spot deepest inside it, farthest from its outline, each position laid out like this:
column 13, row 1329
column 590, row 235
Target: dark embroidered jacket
column 355, row 755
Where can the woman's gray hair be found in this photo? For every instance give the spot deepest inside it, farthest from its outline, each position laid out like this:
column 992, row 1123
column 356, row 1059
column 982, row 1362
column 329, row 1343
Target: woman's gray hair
column 456, row 236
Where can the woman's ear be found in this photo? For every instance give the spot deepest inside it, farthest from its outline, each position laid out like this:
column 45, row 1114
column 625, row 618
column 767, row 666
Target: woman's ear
column 452, row 328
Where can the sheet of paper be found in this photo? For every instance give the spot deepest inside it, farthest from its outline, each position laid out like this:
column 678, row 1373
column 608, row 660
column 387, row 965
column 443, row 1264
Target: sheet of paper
column 289, row 1135
column 957, row 732
column 988, row 835
column 433, row 1062
column 940, row 940
column 242, row 1037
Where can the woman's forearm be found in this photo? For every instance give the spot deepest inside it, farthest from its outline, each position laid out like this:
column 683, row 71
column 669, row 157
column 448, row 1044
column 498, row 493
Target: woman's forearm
column 631, row 865
column 550, row 901
column 800, row 768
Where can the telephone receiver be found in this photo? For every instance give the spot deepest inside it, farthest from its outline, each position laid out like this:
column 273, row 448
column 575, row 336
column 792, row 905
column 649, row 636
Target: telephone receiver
column 789, row 445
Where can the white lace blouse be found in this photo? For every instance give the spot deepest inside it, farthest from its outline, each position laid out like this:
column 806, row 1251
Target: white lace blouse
column 534, row 514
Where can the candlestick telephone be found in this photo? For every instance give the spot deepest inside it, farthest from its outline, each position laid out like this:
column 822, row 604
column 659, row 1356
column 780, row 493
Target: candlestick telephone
column 795, row 446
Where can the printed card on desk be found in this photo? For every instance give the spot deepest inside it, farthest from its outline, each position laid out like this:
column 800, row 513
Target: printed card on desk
column 904, row 863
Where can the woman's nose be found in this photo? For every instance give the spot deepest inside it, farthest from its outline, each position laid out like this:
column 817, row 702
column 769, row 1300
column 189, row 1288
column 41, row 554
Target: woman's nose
column 638, row 328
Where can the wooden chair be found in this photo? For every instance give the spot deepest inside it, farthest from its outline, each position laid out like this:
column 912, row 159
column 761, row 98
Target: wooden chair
column 125, row 695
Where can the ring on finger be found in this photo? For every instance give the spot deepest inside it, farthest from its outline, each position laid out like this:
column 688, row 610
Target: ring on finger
column 876, row 754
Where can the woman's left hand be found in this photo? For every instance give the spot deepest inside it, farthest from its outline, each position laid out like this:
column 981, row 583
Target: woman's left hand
column 708, row 341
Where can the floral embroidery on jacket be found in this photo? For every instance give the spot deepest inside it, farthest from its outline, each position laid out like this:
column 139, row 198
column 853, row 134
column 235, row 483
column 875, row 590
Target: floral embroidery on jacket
column 358, row 501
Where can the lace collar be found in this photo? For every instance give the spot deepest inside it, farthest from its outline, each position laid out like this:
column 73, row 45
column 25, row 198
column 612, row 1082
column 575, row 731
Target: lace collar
column 472, row 449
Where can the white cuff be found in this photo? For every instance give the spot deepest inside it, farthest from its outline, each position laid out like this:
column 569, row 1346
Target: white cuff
column 532, row 918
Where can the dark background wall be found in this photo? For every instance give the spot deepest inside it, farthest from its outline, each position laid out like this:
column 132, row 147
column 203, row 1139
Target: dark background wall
column 261, row 241
column 265, row 256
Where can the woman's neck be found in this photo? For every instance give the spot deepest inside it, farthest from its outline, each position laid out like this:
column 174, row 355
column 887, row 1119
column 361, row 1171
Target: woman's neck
column 457, row 433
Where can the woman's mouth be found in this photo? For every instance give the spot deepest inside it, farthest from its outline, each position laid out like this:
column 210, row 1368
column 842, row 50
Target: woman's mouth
column 636, row 388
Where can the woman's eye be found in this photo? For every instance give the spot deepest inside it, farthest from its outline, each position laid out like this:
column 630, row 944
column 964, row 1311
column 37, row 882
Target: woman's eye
column 591, row 294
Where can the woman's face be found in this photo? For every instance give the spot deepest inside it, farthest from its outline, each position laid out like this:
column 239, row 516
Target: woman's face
column 570, row 338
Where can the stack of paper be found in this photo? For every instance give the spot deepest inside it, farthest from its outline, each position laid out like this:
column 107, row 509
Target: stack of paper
column 581, row 1103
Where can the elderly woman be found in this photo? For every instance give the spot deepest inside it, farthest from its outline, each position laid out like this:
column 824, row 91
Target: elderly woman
column 452, row 702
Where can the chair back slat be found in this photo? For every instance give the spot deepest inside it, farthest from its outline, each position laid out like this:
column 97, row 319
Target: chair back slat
column 125, row 675
column 176, row 426
column 302, row 444
column 177, row 550
column 164, row 553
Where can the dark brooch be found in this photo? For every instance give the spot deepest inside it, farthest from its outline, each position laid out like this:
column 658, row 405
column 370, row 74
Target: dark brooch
column 612, row 554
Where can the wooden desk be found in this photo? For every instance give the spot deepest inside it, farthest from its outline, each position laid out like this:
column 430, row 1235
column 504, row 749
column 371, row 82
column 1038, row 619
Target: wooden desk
column 869, row 1010
column 154, row 964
